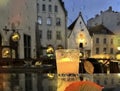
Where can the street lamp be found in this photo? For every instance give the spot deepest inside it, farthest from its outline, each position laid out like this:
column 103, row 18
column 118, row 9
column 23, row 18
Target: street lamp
column 50, row 51
column 15, row 36
column 10, row 51
column 117, row 56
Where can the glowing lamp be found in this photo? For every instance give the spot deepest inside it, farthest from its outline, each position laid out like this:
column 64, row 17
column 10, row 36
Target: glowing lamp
column 15, row 37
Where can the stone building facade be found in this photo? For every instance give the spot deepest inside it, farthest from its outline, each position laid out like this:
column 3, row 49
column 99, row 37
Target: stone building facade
column 51, row 25
column 19, row 15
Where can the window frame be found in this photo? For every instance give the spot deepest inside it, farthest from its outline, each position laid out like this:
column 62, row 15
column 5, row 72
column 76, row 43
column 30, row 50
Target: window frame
column 43, row 7
column 49, row 8
column 39, row 20
column 49, row 34
column 49, row 20
column 97, row 40
column 58, row 35
column 56, row 8
column 58, row 21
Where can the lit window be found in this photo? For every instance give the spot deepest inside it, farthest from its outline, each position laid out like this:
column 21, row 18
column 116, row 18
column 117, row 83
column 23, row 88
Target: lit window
column 39, row 20
column 49, row 21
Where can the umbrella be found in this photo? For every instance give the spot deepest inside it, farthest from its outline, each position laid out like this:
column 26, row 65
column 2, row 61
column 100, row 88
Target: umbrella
column 89, row 67
column 83, row 86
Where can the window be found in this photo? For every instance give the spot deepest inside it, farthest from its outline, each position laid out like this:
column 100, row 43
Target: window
column 97, row 50
column 58, row 35
column 37, row 7
column 49, row 34
column 105, row 81
column 27, row 46
column 111, row 50
column 58, row 22
column 28, row 82
column 49, row 21
column 56, row 8
column 40, row 34
column 39, row 20
column 50, row 8
column 43, row 7
column 104, row 41
column 104, row 50
column 111, row 41
column 98, row 81
column 97, row 40
column 112, row 81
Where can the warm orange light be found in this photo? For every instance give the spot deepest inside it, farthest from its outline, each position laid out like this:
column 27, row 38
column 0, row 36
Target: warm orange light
column 118, row 48
column 50, row 49
column 67, row 61
column 15, row 37
column 80, row 38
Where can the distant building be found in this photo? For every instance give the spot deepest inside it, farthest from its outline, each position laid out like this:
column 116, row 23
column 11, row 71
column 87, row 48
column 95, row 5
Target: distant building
column 108, row 18
column 102, row 40
column 51, row 25
column 78, row 35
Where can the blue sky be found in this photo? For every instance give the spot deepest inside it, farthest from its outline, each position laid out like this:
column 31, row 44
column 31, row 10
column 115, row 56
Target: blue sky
column 89, row 8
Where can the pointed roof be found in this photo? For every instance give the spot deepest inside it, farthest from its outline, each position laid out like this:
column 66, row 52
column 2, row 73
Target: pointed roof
column 100, row 29
column 70, row 28
column 74, row 22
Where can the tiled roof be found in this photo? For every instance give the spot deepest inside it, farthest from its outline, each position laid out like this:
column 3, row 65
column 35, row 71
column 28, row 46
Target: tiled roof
column 100, row 29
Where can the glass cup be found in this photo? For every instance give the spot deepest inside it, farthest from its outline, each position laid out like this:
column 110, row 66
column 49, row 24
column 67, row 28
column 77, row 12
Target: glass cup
column 67, row 61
